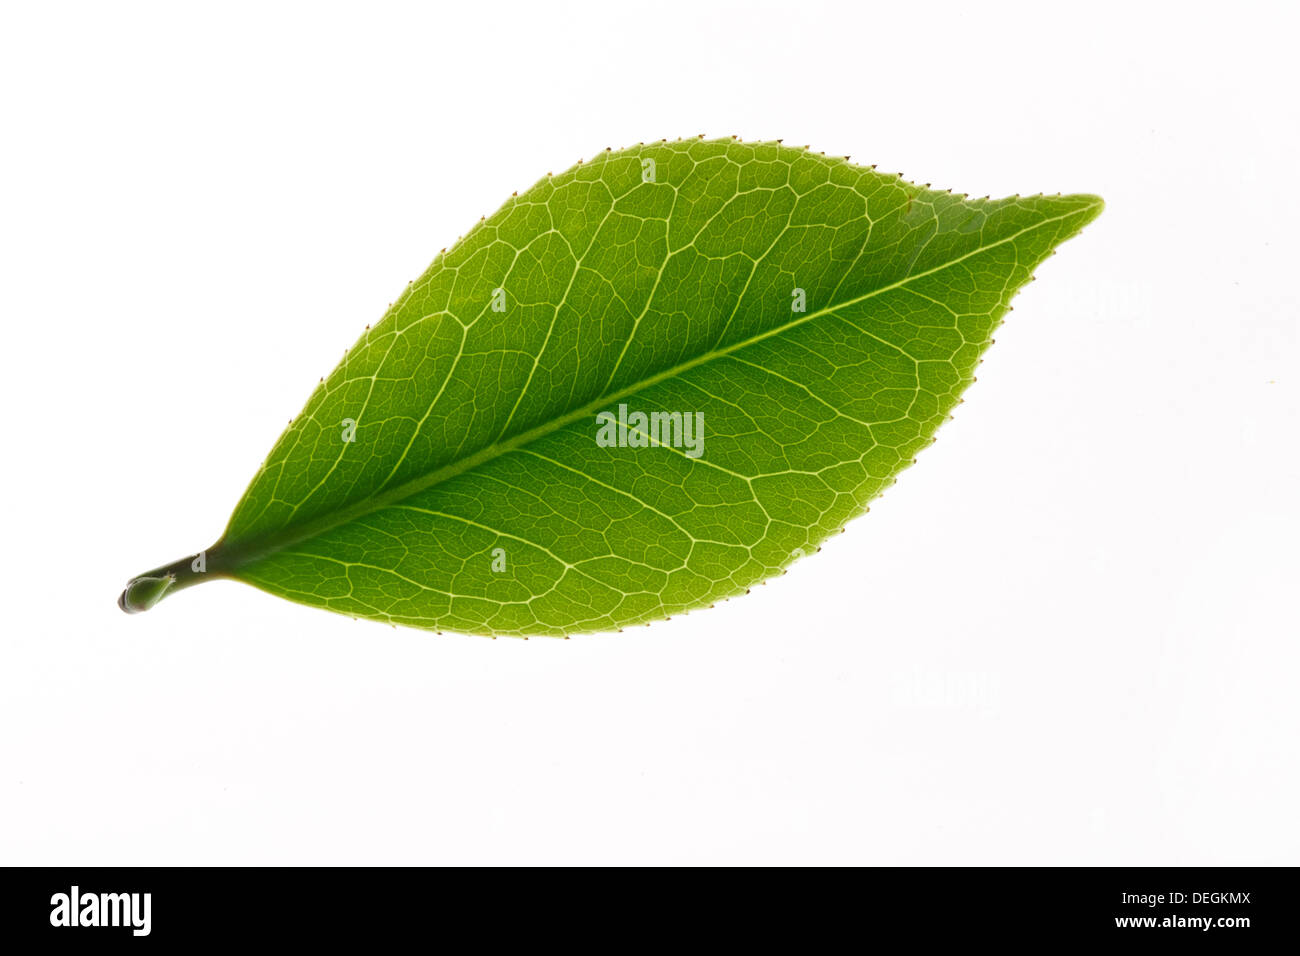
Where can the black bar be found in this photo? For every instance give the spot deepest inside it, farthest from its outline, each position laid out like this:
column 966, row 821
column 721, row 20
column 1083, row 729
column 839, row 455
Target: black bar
column 370, row 908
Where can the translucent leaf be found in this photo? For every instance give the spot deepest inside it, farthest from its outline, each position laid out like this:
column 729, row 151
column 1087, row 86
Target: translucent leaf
column 642, row 385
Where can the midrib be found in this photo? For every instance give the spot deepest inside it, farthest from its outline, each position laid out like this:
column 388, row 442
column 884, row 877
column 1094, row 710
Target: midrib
column 231, row 557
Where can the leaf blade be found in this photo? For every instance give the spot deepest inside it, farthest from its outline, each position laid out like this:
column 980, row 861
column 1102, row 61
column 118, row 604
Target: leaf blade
column 672, row 298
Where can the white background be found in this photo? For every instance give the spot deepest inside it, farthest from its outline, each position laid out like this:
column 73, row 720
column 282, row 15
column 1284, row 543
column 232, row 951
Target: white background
column 1068, row 635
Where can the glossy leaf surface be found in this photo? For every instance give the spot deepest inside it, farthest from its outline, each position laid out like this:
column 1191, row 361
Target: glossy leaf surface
column 812, row 321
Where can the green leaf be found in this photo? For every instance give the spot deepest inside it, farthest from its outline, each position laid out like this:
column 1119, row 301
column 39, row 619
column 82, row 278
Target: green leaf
column 818, row 319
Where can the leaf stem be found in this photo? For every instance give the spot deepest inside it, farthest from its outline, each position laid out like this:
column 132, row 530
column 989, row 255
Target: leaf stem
column 145, row 590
